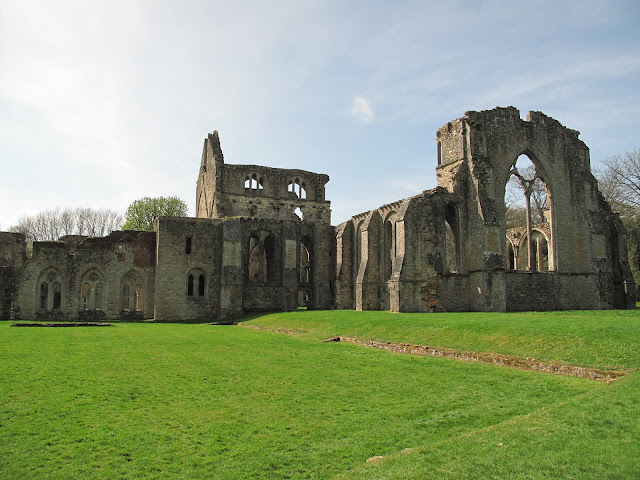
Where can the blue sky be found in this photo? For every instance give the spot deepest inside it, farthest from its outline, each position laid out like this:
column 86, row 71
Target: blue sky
column 102, row 103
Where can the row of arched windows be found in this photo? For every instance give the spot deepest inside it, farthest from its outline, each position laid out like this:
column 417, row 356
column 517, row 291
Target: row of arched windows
column 254, row 183
column 92, row 291
column 196, row 284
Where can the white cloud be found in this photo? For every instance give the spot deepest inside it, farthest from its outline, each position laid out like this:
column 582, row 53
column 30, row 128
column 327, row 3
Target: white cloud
column 361, row 109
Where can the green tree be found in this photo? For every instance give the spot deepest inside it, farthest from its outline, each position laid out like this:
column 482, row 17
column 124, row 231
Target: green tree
column 142, row 213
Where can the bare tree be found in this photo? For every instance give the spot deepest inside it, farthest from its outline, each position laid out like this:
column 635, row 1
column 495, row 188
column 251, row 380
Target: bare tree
column 619, row 182
column 50, row 225
column 519, row 183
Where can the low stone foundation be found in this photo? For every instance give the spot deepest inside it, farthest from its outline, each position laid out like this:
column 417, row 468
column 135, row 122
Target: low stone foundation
column 489, row 358
column 61, row 324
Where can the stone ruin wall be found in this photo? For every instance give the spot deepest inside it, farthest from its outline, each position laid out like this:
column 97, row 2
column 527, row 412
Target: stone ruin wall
column 256, row 191
column 84, row 278
column 249, row 251
column 588, row 267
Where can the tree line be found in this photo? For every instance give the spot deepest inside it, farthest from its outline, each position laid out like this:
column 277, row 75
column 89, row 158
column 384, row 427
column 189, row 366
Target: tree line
column 50, row 225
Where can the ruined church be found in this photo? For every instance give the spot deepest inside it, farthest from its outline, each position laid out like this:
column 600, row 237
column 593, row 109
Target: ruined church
column 262, row 240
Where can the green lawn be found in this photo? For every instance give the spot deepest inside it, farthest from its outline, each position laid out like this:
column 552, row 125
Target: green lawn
column 141, row 400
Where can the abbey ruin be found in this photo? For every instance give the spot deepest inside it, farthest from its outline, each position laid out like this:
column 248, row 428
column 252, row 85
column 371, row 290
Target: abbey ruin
column 263, row 241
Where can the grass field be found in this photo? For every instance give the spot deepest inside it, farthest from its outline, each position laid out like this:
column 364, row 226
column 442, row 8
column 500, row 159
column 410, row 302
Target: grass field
column 140, row 400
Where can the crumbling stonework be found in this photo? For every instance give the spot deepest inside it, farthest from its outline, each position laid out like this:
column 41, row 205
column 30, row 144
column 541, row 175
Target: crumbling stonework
column 399, row 255
column 262, row 240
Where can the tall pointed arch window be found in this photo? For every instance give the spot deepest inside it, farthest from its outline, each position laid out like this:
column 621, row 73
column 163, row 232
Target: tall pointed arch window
column 528, row 207
column 132, row 292
column 261, row 257
column 92, row 290
column 390, row 249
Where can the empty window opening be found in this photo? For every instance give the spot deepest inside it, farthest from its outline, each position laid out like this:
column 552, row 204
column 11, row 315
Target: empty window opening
column 48, row 291
column 527, row 205
column 539, row 261
column 132, row 291
column 269, row 255
column 254, row 183
column 92, row 291
column 358, row 250
column 389, row 250
column 257, row 261
column 439, row 153
column 57, row 296
column 201, row 285
column 452, row 239
column 187, row 248
column 190, row 286
column 86, row 294
column 261, row 261
column 125, row 297
column 298, row 213
column 195, row 284
column 298, row 188
column 305, row 261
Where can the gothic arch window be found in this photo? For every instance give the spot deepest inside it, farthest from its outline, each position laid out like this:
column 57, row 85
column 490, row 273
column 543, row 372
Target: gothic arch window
column 49, row 290
column 92, row 290
column 297, row 187
column 254, row 183
column 132, row 292
column 196, row 283
column 528, row 204
column 261, row 257
column 389, row 245
column 358, row 250
column 539, row 260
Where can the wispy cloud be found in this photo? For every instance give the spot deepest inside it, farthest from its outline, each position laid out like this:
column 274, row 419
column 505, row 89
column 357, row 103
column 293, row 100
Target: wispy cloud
column 361, row 109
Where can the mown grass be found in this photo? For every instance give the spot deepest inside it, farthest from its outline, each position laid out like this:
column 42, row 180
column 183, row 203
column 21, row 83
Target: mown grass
column 598, row 339
column 200, row 401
